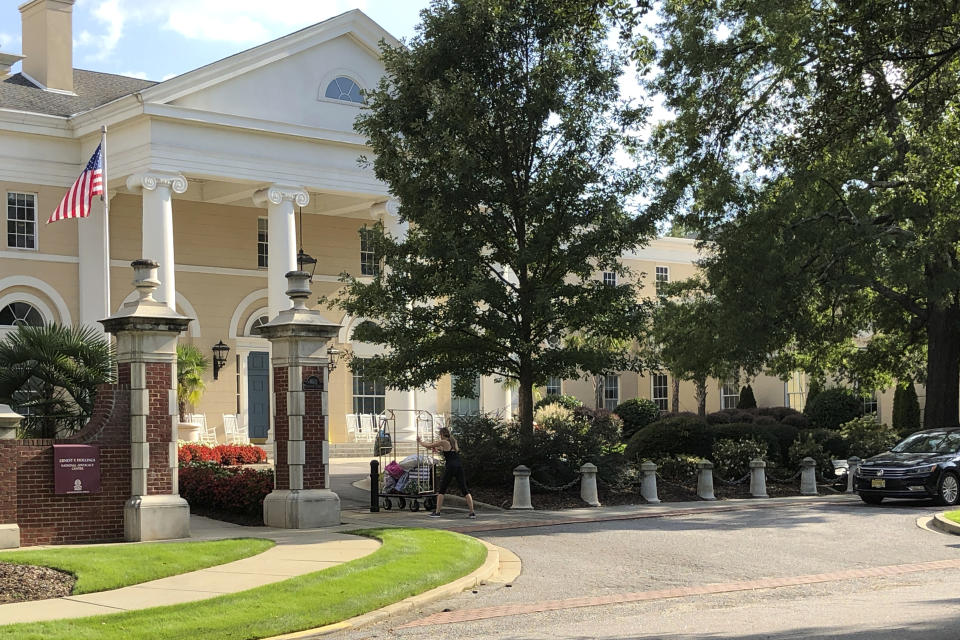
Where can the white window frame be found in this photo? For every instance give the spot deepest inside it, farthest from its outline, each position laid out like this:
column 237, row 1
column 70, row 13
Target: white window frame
column 657, row 272
column 609, row 278
column 611, row 392
column 872, row 401
column 36, row 221
column 728, row 398
column 378, row 386
column 549, row 389
column 369, row 263
column 662, row 402
column 456, row 401
column 263, row 246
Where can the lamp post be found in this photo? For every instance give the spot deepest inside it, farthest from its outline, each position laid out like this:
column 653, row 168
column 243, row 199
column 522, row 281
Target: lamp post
column 220, row 352
column 305, row 262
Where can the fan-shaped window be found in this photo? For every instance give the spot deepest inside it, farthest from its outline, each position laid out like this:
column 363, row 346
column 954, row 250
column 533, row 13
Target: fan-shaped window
column 20, row 314
column 343, row 88
column 259, row 322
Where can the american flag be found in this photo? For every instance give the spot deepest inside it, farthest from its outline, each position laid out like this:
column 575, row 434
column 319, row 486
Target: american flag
column 76, row 204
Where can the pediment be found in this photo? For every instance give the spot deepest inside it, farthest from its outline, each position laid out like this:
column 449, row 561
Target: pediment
column 285, row 81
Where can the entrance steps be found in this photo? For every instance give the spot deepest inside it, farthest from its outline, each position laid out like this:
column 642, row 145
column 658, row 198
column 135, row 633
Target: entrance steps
column 365, row 449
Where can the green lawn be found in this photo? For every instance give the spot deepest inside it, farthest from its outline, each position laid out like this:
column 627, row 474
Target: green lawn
column 409, row 562
column 101, row 568
column 953, row 515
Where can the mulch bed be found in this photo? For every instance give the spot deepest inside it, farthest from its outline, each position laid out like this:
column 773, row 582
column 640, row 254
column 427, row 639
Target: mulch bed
column 20, row 583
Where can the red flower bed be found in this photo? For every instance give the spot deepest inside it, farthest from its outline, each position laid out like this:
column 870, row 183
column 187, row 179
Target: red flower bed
column 225, row 454
column 210, row 487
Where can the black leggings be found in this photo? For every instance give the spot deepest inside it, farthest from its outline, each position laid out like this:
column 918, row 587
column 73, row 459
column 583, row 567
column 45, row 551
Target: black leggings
column 453, row 473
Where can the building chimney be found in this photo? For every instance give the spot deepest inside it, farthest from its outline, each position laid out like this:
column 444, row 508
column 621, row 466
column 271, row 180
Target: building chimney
column 48, row 43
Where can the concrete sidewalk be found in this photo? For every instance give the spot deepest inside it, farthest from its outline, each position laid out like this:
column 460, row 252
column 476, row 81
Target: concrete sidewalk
column 297, row 552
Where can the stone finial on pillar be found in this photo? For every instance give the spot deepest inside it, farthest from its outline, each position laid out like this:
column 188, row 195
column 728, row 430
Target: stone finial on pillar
column 758, row 479
column 299, row 337
column 648, row 482
column 588, row 484
column 9, row 421
column 705, row 480
column 146, row 331
column 521, row 488
column 853, row 466
column 808, row 477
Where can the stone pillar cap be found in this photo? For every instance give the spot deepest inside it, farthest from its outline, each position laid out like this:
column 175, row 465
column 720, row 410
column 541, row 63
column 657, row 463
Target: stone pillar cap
column 704, row 464
column 588, row 467
column 808, row 462
column 648, row 466
column 521, row 471
column 758, row 463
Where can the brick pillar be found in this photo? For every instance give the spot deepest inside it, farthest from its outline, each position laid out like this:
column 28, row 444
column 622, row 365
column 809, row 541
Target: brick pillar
column 299, row 338
column 146, row 331
column 9, row 457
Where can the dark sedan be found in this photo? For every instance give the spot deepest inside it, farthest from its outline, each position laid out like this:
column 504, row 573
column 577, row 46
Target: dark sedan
column 926, row 464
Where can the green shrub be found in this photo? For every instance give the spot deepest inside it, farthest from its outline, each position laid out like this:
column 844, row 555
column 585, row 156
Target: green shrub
column 747, row 399
column 671, row 436
column 728, row 416
column 807, row 446
column 866, row 437
column 570, row 402
column 767, row 434
column 906, row 409
column 731, row 458
column 491, row 449
column 831, row 441
column 812, row 392
column 636, row 414
column 765, row 421
column 679, row 469
column 778, row 413
column 833, row 407
column 797, row 420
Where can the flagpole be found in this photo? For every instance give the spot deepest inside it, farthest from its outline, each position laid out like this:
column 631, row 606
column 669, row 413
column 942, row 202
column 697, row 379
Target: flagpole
column 105, row 198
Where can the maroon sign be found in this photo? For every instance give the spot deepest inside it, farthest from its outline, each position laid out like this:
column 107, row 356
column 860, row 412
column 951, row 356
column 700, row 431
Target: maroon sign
column 76, row 468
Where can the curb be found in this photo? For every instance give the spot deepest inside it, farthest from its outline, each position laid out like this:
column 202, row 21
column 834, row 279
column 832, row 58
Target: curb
column 941, row 522
column 489, row 569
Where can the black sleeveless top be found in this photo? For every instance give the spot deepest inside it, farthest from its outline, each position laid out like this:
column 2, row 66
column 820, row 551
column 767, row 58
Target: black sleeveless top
column 451, row 458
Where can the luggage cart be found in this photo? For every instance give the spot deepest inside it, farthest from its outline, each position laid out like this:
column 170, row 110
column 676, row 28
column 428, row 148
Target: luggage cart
column 420, row 481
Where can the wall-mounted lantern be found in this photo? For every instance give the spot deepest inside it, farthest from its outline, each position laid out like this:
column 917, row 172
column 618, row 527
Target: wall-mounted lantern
column 220, row 352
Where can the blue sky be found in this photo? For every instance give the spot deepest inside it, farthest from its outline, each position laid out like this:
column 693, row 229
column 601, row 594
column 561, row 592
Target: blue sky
column 159, row 39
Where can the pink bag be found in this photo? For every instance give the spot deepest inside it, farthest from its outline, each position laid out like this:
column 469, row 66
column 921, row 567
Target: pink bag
column 394, row 469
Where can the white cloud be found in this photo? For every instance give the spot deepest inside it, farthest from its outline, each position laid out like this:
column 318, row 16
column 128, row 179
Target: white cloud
column 135, row 74
column 237, row 21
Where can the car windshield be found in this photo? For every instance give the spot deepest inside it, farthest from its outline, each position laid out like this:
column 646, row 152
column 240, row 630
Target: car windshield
column 930, row 442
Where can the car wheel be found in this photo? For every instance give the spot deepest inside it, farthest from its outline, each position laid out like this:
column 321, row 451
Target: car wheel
column 948, row 490
column 870, row 498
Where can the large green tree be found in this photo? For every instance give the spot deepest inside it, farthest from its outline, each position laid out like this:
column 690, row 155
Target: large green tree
column 496, row 127
column 816, row 147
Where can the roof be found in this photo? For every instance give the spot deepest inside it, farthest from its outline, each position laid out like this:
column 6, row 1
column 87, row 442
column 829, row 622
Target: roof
column 92, row 89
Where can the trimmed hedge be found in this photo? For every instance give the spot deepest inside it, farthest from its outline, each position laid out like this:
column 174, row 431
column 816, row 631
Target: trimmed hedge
column 747, row 399
column 224, row 454
column 833, row 407
column 209, row 486
column 669, row 437
column 636, row 414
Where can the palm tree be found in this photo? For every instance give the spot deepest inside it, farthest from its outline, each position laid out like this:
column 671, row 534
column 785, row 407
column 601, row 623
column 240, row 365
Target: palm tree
column 51, row 375
column 191, row 365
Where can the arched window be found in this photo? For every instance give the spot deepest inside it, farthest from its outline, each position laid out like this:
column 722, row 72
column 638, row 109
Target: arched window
column 18, row 314
column 343, row 88
column 259, row 322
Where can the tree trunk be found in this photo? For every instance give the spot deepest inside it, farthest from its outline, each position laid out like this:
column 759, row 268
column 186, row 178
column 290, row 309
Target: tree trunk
column 676, row 394
column 701, row 397
column 943, row 367
column 525, row 407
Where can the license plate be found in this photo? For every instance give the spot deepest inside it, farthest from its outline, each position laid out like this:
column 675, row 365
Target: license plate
column 878, row 483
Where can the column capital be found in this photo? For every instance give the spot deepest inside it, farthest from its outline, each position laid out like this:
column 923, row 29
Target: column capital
column 277, row 193
column 389, row 207
column 150, row 180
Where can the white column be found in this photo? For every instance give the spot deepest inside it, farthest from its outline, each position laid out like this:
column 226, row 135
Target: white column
column 93, row 267
column 281, row 239
column 388, row 213
column 157, row 189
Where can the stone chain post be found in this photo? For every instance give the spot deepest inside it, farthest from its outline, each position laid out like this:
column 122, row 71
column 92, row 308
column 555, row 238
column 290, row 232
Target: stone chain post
column 808, row 477
column 588, row 484
column 853, row 465
column 705, row 480
column 521, row 488
column 648, row 482
column 758, row 479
